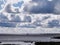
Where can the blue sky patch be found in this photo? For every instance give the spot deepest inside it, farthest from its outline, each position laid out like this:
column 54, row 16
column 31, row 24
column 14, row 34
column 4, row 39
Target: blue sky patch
column 19, row 4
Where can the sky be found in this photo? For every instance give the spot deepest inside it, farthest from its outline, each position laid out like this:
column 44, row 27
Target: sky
column 33, row 6
column 15, row 10
column 42, row 6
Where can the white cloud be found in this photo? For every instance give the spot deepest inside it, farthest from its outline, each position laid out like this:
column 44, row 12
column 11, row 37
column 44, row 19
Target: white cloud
column 12, row 1
column 50, row 0
column 57, row 7
column 25, row 2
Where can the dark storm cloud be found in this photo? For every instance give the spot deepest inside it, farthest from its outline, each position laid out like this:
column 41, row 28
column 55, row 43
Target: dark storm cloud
column 15, row 18
column 43, row 6
column 8, row 9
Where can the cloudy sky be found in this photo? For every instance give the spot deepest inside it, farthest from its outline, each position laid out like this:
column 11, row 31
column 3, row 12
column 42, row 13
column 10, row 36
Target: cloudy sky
column 14, row 7
column 33, row 6
column 43, row 6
